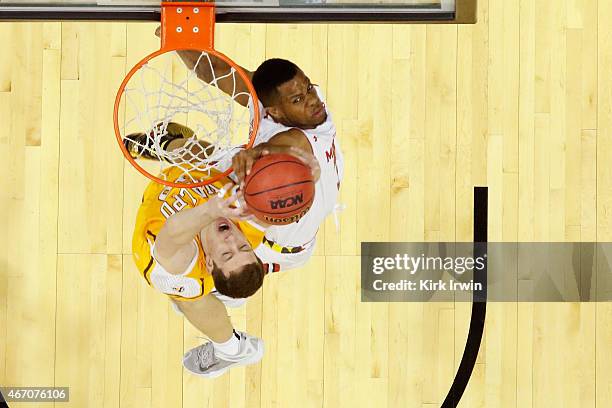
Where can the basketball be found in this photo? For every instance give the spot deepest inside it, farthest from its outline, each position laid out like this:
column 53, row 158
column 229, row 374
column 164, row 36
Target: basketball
column 280, row 189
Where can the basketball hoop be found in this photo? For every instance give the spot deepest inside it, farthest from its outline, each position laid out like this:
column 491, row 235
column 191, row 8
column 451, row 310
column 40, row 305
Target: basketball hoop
column 161, row 90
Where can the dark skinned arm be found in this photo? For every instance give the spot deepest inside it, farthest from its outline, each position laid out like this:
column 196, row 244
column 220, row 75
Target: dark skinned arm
column 292, row 142
column 231, row 85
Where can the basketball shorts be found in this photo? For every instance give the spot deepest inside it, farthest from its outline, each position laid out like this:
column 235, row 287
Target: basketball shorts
column 275, row 261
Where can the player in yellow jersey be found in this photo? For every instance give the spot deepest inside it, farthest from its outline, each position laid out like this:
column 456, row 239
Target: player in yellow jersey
column 200, row 245
column 190, row 245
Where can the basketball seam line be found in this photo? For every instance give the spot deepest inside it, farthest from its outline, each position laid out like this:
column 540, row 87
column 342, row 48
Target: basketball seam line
column 276, row 188
column 273, row 163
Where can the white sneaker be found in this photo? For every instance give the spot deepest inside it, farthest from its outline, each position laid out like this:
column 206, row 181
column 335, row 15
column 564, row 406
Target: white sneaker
column 205, row 361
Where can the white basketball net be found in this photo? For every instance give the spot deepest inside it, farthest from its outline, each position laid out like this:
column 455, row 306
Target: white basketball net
column 165, row 100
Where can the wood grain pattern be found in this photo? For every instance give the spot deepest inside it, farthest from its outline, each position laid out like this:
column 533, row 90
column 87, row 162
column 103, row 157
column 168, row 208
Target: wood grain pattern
column 519, row 102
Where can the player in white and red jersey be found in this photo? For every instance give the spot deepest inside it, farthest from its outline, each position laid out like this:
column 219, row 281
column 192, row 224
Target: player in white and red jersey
column 296, row 121
column 294, row 113
column 294, row 118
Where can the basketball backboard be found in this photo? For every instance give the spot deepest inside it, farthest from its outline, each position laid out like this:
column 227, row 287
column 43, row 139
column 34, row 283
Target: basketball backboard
column 264, row 11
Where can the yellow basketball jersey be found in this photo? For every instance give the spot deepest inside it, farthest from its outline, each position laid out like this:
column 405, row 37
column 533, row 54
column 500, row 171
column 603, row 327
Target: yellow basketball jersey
column 158, row 203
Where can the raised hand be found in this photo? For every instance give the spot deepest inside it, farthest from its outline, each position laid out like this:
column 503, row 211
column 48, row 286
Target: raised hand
column 218, row 206
column 308, row 159
column 243, row 161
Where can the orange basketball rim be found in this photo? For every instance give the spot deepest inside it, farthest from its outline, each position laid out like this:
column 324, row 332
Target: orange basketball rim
column 184, row 26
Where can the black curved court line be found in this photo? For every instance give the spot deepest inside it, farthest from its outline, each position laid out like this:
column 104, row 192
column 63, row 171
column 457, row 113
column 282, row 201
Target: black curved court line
column 479, row 303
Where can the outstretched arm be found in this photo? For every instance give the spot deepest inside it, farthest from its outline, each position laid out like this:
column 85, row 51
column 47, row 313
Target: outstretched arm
column 219, row 73
column 230, row 84
column 174, row 249
column 292, row 142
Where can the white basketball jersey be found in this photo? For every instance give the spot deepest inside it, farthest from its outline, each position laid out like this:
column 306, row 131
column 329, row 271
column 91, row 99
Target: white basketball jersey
column 327, row 151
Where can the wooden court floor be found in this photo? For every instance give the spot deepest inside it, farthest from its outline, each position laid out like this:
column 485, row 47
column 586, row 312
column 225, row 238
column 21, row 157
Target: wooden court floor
column 520, row 102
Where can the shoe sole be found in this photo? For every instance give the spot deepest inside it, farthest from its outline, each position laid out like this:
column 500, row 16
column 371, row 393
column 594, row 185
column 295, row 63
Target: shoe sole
column 252, row 360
